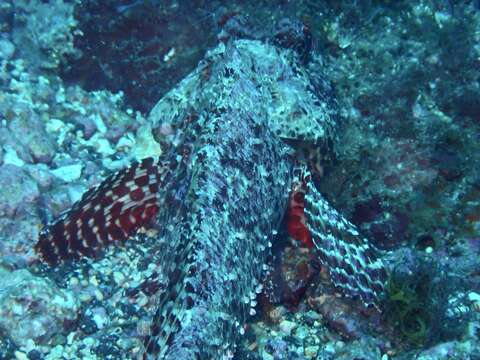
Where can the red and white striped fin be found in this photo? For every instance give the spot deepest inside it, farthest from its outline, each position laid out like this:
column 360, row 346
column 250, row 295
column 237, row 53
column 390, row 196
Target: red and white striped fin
column 110, row 212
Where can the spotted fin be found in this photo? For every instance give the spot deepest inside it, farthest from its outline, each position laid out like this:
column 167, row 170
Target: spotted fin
column 108, row 213
column 353, row 263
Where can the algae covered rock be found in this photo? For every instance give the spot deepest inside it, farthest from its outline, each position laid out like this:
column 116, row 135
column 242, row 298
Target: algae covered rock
column 17, row 190
column 32, row 307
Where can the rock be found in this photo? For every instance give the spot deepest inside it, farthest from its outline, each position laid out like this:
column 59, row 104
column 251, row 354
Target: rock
column 276, row 348
column 34, row 355
column 297, row 273
column 17, row 190
column 338, row 315
column 108, row 348
column 6, row 14
column 14, row 152
column 11, row 156
column 68, row 173
column 88, row 325
column 287, row 327
column 6, row 49
column 474, row 298
column 59, row 198
column 19, row 194
column 301, row 332
column 32, row 307
column 41, row 174
column 146, row 145
column 45, row 31
column 311, row 351
column 274, row 314
column 311, row 316
column 19, row 355
column 29, row 131
column 445, row 350
column 118, row 277
column 100, row 317
column 291, row 276
column 16, row 238
column 86, row 124
column 7, row 347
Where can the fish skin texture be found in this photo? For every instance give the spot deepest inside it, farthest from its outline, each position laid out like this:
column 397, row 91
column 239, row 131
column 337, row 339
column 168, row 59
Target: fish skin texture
column 222, row 186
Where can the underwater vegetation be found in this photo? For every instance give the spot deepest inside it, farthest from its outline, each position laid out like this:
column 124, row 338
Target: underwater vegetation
column 425, row 303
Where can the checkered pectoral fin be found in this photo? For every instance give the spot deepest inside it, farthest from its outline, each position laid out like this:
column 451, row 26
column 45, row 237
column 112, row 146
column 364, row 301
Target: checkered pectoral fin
column 110, row 212
column 353, row 263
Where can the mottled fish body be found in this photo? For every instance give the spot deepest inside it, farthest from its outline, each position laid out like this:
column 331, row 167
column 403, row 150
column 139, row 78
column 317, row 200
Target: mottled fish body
column 222, row 185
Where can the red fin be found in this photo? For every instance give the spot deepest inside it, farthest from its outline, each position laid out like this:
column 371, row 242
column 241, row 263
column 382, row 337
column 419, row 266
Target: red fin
column 110, row 212
column 296, row 221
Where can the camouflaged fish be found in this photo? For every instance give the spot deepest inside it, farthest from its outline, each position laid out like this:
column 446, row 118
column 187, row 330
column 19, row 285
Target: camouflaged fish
column 238, row 135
